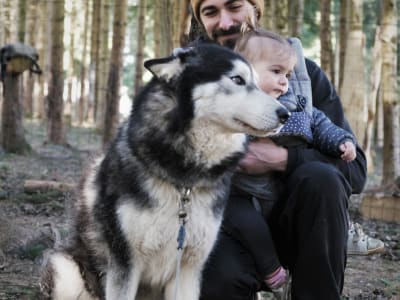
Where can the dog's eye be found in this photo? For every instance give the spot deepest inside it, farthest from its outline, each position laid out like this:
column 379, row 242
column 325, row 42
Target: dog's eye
column 238, row 80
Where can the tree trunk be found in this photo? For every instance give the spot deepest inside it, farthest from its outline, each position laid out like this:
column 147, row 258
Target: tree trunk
column 344, row 24
column 374, row 82
column 140, row 45
column 82, row 104
column 166, row 44
column 39, row 99
column 13, row 139
column 296, row 16
column 353, row 87
column 10, row 26
column 184, row 23
column 72, row 15
column 21, row 20
column 157, row 28
column 325, row 35
column 269, row 18
column 55, row 125
column 391, row 152
column 94, row 60
column 30, row 39
column 281, row 17
column 102, row 69
column 114, row 77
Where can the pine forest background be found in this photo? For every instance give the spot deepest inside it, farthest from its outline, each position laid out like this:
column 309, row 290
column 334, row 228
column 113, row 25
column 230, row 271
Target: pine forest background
column 92, row 52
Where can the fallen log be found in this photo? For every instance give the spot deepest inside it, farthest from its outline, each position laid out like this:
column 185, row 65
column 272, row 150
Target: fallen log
column 41, row 186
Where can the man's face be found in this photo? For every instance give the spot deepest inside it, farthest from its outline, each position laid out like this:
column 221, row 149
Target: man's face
column 222, row 19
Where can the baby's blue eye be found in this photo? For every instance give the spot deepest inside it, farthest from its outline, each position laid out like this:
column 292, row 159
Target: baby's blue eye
column 238, row 80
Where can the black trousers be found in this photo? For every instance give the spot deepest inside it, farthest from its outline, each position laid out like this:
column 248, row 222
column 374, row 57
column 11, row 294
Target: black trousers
column 309, row 228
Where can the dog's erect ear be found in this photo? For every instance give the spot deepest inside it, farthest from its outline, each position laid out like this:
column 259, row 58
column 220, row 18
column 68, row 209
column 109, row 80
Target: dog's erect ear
column 169, row 67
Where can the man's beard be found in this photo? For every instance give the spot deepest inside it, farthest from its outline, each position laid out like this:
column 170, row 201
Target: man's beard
column 230, row 43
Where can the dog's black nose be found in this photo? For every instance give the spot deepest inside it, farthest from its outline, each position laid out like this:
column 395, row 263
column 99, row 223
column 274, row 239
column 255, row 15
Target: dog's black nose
column 283, row 114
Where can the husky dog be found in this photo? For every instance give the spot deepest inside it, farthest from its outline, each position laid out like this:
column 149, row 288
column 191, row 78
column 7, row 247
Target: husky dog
column 186, row 133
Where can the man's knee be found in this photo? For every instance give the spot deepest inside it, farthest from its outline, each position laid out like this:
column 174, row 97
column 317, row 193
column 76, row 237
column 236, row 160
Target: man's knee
column 320, row 177
column 317, row 185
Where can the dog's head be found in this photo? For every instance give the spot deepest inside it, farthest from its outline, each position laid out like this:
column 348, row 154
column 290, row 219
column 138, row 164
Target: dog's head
column 217, row 87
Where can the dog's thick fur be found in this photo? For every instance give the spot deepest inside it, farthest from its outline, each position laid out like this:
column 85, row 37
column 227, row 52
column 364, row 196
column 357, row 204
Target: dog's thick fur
column 187, row 129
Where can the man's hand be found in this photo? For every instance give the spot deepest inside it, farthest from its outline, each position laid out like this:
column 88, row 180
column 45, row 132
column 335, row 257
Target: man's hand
column 263, row 156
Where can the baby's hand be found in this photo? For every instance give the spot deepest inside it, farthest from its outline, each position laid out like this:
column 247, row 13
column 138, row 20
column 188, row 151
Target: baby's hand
column 348, row 151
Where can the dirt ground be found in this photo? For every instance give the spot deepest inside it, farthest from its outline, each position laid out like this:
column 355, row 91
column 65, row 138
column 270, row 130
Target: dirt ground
column 30, row 223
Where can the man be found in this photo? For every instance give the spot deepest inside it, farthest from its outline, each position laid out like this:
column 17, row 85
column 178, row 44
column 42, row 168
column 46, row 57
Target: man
column 309, row 221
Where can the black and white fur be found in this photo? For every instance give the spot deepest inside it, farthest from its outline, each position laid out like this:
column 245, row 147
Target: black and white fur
column 187, row 129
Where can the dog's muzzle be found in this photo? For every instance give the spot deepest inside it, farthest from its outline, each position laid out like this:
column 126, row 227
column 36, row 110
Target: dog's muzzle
column 283, row 114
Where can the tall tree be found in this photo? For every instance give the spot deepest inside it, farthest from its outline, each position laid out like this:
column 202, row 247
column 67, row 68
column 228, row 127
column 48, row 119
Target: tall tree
column 180, row 22
column 82, row 103
column 71, row 20
column 102, row 70
column 141, row 38
column 12, row 139
column 9, row 25
column 183, row 24
column 94, row 60
column 43, row 49
column 157, row 28
column 55, row 125
column 268, row 20
column 281, row 17
column 373, row 88
column 343, row 30
column 21, row 20
column 114, row 76
column 296, row 16
column 165, row 13
column 389, row 90
column 353, row 86
column 325, row 36
column 30, row 39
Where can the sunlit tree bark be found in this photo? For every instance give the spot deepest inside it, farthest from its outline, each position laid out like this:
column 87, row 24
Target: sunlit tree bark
column 325, row 36
column 343, row 20
column 72, row 23
column 43, row 50
column 389, row 90
column 114, row 76
column 55, row 125
column 374, row 82
column 82, row 104
column 141, row 38
column 353, row 93
column 157, row 28
column 103, row 63
column 30, row 39
column 296, row 16
column 94, row 60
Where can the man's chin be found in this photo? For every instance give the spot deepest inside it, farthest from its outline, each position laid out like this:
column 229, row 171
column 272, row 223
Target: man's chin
column 230, row 43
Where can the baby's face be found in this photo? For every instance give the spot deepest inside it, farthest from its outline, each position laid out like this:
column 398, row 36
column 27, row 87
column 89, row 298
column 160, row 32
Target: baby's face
column 274, row 74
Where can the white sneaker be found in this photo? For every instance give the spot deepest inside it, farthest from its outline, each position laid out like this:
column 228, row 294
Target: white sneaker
column 359, row 243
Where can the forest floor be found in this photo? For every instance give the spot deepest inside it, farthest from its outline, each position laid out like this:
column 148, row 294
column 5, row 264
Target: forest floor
column 28, row 221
